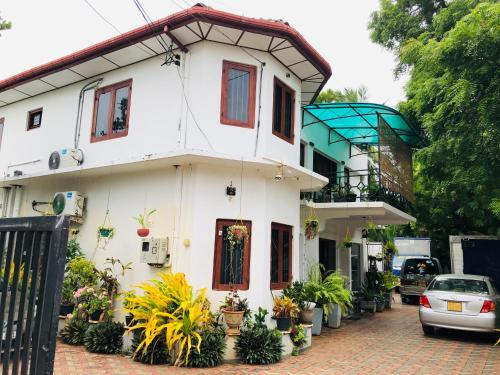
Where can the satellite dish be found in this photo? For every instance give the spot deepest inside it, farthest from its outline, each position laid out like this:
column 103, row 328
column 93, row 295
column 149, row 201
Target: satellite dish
column 59, row 203
column 54, row 160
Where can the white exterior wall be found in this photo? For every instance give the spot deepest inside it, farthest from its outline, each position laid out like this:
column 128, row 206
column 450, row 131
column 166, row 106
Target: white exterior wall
column 190, row 198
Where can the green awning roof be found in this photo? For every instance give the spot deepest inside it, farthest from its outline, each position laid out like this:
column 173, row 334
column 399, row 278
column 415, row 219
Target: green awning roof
column 358, row 122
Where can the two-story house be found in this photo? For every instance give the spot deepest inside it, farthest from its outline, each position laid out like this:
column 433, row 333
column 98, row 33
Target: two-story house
column 172, row 116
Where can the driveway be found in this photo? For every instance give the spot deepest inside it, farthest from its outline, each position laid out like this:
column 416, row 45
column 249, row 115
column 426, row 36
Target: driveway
column 385, row 343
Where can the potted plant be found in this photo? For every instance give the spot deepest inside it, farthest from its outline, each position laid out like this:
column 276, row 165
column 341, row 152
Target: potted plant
column 389, row 283
column 347, row 241
column 311, row 228
column 67, row 300
column 104, row 231
column 380, row 302
column 350, row 196
column 236, row 235
column 129, row 305
column 298, row 336
column 284, row 309
column 94, row 304
column 297, row 293
column 367, row 300
column 339, row 298
column 144, row 222
column 234, row 310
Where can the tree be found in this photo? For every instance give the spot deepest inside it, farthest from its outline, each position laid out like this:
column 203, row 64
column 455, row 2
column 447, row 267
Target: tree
column 347, row 95
column 454, row 94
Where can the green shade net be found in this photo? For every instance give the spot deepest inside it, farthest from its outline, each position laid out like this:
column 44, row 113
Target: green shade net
column 358, row 122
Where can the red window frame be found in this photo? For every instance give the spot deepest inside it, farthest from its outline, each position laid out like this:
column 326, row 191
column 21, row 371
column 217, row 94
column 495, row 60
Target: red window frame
column 29, row 125
column 252, row 70
column 111, row 88
column 286, row 89
column 216, row 284
column 281, row 284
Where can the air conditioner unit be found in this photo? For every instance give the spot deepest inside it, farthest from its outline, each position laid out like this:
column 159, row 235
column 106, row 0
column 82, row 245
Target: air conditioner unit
column 68, row 203
column 67, row 157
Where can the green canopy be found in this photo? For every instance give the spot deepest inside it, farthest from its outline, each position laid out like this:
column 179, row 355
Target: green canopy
column 358, row 122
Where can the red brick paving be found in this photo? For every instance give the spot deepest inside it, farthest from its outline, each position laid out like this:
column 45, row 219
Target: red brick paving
column 386, row 343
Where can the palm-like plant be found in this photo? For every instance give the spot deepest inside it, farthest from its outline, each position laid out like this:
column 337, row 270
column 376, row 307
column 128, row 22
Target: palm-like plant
column 170, row 307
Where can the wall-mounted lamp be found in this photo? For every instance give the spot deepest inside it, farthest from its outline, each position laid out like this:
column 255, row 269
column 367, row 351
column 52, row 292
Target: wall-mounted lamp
column 231, row 190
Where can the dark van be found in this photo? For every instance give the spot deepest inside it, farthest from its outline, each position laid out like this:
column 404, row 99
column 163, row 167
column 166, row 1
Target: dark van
column 416, row 274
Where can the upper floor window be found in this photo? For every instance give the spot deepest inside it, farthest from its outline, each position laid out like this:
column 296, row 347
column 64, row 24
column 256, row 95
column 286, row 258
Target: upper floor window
column 111, row 111
column 238, row 94
column 231, row 265
column 1, row 131
column 283, row 111
column 281, row 255
column 34, row 119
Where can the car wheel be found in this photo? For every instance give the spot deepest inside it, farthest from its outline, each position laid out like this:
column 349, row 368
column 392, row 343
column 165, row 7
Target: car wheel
column 428, row 330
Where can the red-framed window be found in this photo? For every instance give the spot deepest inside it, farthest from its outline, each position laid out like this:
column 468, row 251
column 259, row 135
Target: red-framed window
column 34, row 120
column 283, row 111
column 238, row 94
column 111, row 111
column 231, row 267
column 281, row 255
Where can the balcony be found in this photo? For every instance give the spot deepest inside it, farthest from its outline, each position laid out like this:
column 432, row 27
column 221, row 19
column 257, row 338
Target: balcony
column 363, row 186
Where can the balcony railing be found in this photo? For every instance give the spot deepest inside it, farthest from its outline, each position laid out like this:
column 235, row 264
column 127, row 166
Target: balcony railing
column 360, row 186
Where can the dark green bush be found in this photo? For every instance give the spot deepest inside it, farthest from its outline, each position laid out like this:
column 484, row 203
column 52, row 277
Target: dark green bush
column 74, row 331
column 105, row 338
column 212, row 348
column 156, row 353
column 258, row 344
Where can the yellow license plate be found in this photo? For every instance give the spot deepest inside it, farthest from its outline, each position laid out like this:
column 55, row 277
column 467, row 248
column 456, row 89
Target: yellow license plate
column 455, row 306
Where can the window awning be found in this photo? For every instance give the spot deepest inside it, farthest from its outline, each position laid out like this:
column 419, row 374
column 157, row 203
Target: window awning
column 357, row 123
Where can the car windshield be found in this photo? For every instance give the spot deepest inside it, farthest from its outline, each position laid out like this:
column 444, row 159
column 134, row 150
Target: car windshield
column 460, row 285
column 421, row 266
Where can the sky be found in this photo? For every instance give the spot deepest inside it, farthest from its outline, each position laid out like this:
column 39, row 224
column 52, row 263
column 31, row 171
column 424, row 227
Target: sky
column 46, row 30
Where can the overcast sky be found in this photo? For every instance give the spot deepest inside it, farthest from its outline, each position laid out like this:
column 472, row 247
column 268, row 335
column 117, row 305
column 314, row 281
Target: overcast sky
column 45, row 30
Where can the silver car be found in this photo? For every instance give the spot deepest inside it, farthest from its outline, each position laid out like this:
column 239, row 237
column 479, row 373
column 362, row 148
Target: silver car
column 465, row 302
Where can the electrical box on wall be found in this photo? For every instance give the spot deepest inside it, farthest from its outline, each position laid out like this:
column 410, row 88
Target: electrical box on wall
column 155, row 251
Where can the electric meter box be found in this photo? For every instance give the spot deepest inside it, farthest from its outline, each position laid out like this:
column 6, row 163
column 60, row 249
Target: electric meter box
column 154, row 251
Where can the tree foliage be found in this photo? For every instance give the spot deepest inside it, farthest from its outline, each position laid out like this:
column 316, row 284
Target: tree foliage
column 348, row 95
column 453, row 55
column 4, row 24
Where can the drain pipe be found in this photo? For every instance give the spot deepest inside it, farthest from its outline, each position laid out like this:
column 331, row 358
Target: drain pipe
column 89, row 86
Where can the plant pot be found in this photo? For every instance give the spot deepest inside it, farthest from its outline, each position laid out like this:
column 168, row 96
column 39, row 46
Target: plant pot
column 306, row 316
column 380, row 306
column 143, row 232
column 233, row 320
column 334, row 315
column 96, row 315
column 66, row 309
column 317, row 321
column 105, row 232
column 388, row 300
column 347, row 244
column 368, row 306
column 351, row 197
column 128, row 320
column 283, row 323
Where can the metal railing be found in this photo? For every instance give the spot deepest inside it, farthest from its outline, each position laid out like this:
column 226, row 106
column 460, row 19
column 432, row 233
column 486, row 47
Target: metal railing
column 359, row 186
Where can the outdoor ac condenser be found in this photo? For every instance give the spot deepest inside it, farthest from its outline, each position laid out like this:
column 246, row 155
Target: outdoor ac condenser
column 155, row 251
column 68, row 203
column 67, row 157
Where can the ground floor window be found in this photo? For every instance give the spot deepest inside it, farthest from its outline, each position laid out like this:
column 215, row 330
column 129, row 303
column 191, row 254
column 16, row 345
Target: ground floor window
column 281, row 255
column 356, row 266
column 231, row 265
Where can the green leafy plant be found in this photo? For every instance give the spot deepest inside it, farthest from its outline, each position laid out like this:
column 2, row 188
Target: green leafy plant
column 257, row 344
column 73, row 332
column 298, row 336
column 91, row 300
column 109, row 276
column 311, row 227
column 170, row 308
column 347, row 241
column 236, row 235
column 296, row 291
column 81, row 273
column 389, row 280
column 284, row 307
column 233, row 302
column 67, row 292
column 155, row 354
column 212, row 348
column 144, row 219
column 105, row 338
column 73, row 250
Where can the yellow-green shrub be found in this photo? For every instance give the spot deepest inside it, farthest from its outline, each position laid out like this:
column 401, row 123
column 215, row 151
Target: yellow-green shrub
column 170, row 307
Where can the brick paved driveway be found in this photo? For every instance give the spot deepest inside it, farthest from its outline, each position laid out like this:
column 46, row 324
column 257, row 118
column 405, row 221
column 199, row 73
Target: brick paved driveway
column 386, row 343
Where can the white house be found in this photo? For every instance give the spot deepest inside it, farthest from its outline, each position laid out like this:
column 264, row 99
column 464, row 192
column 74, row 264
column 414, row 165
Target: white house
column 167, row 117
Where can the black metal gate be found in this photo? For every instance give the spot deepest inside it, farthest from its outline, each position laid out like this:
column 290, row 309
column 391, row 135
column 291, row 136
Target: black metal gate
column 32, row 259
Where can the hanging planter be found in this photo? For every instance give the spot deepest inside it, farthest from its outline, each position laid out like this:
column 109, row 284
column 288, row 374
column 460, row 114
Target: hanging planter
column 236, row 235
column 105, row 232
column 144, row 222
column 311, row 228
column 347, row 241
